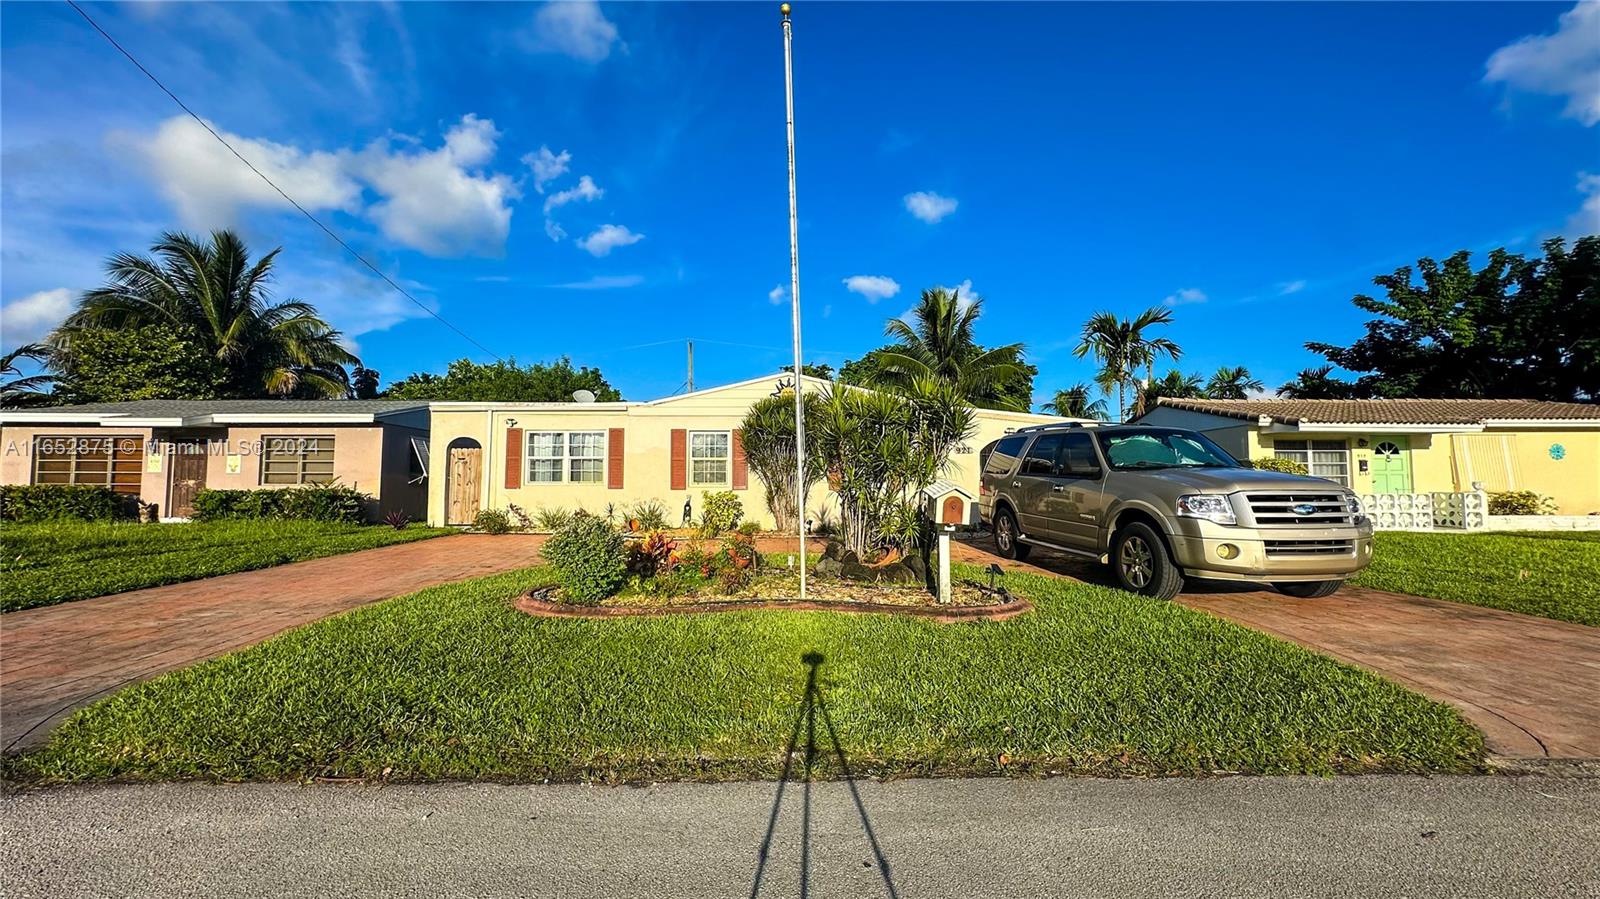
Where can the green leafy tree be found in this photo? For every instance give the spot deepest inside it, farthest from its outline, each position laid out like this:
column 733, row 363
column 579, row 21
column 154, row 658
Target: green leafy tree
column 153, row 362
column 815, row 370
column 212, row 291
column 1121, row 346
column 1175, row 385
column 1515, row 328
column 939, row 343
column 465, row 380
column 1074, row 402
column 17, row 389
column 769, row 449
column 1232, row 383
column 1317, row 384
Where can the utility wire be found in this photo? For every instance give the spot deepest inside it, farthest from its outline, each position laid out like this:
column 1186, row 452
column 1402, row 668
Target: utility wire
column 313, row 219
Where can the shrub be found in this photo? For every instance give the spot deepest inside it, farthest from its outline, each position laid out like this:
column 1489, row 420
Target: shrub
column 652, row 555
column 397, row 519
column 719, row 512
column 648, row 515
column 552, row 519
column 43, row 502
column 317, row 502
column 749, row 528
column 1287, row 466
column 218, row 505
column 492, row 521
column 590, row 558
column 1521, row 502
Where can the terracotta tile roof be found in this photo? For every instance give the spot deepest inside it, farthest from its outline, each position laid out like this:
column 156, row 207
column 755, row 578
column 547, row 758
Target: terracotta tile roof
column 1391, row 412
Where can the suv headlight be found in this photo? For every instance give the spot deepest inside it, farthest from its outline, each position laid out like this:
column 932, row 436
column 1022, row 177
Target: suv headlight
column 1210, row 506
column 1353, row 504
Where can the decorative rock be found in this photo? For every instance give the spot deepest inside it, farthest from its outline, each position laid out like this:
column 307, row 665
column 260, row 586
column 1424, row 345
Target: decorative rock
column 898, row 573
column 828, row 567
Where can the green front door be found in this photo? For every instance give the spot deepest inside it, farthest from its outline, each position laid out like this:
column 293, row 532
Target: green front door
column 1391, row 465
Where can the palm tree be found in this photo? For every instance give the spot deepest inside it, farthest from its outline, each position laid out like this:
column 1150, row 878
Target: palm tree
column 1177, row 385
column 938, row 343
column 1232, row 384
column 1317, row 384
column 1074, row 402
column 19, row 390
column 1121, row 346
column 269, row 349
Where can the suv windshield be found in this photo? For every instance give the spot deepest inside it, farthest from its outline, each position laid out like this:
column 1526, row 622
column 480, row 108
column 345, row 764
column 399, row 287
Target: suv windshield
column 1152, row 448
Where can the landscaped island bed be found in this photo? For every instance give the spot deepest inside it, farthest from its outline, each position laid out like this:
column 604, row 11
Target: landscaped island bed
column 453, row 682
column 1552, row 574
column 46, row 563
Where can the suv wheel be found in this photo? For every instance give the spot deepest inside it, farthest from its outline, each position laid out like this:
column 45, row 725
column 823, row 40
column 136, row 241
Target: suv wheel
column 1309, row 589
column 1005, row 536
column 1141, row 564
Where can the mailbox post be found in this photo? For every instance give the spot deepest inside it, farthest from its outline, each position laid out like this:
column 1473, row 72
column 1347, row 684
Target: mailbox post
column 948, row 506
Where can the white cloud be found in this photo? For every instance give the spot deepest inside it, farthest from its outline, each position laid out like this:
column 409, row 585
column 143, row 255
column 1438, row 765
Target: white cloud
column 576, row 28
column 432, row 202
column 1186, row 296
column 547, row 166
column 352, row 299
column 929, row 206
column 965, row 295
column 777, row 294
column 208, row 185
column 353, row 56
column 29, row 319
column 1564, row 64
column 1289, row 287
column 1587, row 219
column 873, row 287
column 607, row 238
column 603, row 282
column 585, row 191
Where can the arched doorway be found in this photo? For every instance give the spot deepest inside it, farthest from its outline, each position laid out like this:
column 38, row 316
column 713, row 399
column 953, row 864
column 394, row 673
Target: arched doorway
column 461, row 489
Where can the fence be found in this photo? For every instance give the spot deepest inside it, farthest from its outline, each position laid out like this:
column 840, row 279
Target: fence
column 1427, row 511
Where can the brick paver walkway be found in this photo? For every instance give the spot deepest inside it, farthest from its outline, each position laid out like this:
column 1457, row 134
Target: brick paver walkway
column 1532, row 685
column 58, row 658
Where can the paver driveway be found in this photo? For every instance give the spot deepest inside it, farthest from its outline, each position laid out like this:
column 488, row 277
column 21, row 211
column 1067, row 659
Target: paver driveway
column 1532, row 685
column 58, row 658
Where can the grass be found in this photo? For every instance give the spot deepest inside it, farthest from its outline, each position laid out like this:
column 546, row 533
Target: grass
column 1549, row 574
column 47, row 563
column 453, row 683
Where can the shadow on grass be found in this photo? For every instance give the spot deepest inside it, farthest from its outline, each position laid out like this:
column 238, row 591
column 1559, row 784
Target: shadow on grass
column 806, row 722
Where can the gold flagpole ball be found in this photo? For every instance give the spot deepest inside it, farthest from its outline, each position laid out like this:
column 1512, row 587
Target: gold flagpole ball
column 784, row 8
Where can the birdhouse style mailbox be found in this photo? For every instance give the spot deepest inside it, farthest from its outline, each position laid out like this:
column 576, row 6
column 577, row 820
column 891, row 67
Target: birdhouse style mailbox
column 947, row 504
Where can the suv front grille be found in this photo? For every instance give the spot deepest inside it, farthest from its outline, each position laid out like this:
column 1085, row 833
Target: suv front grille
column 1310, row 547
column 1279, row 509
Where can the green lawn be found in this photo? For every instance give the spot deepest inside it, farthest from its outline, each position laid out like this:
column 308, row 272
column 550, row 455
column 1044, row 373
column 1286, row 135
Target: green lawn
column 453, row 683
column 1549, row 574
column 43, row 564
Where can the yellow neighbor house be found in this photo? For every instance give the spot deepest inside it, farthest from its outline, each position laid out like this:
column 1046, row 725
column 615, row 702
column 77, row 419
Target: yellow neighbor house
column 1414, row 446
column 491, row 455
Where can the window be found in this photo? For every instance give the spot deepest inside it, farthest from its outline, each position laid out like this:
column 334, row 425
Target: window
column 575, row 456
column 1323, row 458
column 296, row 460
column 1003, row 454
column 709, row 453
column 1154, row 448
column 1077, row 456
column 1042, row 456
column 115, row 462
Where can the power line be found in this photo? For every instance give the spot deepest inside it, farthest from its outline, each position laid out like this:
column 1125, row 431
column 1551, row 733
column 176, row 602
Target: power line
column 313, row 219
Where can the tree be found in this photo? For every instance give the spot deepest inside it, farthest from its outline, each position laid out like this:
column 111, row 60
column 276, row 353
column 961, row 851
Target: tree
column 1121, row 346
column 213, row 292
column 1074, row 402
column 814, row 370
column 1515, row 328
column 769, row 449
column 363, row 384
column 1317, row 384
column 938, row 343
column 17, row 389
column 465, row 380
column 153, row 362
column 1233, row 383
column 1174, row 385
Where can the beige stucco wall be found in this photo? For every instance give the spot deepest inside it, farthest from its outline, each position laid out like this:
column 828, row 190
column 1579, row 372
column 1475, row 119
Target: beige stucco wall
column 16, row 454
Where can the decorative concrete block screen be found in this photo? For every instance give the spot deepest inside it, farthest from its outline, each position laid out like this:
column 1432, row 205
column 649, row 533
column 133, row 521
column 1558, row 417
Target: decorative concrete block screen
column 1426, row 511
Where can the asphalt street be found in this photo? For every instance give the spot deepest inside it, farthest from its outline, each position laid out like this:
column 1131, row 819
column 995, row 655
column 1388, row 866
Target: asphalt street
column 1236, row 837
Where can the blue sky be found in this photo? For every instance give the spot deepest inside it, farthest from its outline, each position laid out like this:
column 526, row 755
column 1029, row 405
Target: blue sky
column 604, row 181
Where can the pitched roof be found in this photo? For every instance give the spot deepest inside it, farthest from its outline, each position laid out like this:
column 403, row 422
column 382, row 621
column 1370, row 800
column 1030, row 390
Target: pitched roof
column 1390, row 412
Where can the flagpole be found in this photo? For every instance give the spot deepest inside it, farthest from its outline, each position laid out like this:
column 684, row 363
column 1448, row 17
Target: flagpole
column 794, row 302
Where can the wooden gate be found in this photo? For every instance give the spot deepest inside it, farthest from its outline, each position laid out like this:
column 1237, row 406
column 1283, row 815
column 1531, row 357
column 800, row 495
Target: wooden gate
column 461, row 490
column 188, row 477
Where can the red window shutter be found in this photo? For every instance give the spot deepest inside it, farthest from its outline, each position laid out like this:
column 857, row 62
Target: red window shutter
column 513, row 458
column 614, row 448
column 741, row 469
column 680, row 451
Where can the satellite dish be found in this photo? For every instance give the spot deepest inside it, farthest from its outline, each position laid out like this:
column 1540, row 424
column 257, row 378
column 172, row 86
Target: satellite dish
column 583, row 396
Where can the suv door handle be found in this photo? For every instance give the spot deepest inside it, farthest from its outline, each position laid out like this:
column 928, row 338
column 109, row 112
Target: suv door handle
column 1016, row 483
column 1057, row 488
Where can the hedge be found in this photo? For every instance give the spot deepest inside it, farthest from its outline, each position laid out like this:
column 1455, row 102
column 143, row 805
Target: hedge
column 311, row 503
column 44, row 502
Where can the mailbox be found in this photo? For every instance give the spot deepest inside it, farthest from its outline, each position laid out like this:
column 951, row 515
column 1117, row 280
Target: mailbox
column 947, row 504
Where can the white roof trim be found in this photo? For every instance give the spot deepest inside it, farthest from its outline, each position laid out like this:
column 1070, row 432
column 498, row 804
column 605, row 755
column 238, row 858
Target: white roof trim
column 275, row 418
column 1369, row 428
column 103, row 419
column 1542, row 422
column 496, row 406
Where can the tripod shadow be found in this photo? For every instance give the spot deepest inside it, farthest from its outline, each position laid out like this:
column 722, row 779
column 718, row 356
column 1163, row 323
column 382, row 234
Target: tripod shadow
column 806, row 722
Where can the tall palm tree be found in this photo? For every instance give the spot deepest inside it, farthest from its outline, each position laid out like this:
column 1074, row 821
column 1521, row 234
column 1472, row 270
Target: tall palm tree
column 938, row 343
column 1121, row 346
column 1233, row 383
column 1318, row 384
column 1074, row 402
column 17, row 389
column 269, row 348
column 1177, row 385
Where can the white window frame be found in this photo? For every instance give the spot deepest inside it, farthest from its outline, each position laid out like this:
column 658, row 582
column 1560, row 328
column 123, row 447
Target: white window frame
column 1305, row 451
column 566, row 456
column 275, row 445
column 727, row 459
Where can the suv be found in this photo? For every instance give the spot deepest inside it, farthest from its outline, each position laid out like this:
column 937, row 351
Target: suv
column 1162, row 504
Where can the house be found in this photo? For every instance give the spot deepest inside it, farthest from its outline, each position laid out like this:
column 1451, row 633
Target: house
column 592, row 455
column 165, row 451
column 1413, row 445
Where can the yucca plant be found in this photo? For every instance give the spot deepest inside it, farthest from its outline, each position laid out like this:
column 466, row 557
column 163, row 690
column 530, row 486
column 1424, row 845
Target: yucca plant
column 769, row 449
